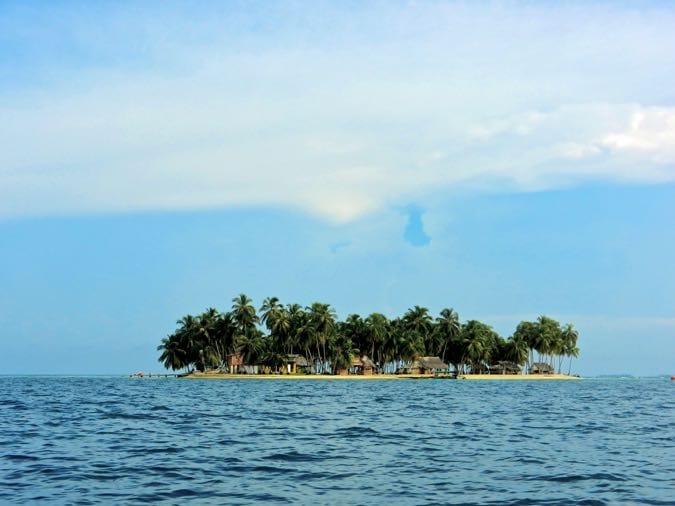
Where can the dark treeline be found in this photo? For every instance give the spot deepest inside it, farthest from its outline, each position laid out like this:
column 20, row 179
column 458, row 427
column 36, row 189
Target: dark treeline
column 268, row 336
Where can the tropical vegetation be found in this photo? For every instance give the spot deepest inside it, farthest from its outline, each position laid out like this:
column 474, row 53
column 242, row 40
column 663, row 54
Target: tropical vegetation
column 268, row 336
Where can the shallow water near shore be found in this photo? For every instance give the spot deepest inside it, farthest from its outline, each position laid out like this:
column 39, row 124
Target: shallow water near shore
column 85, row 440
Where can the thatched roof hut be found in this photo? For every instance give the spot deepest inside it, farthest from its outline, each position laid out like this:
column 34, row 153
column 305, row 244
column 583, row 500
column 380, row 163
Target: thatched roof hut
column 426, row 365
column 433, row 363
column 296, row 363
column 298, row 360
column 363, row 361
column 541, row 368
column 504, row 367
column 363, row 365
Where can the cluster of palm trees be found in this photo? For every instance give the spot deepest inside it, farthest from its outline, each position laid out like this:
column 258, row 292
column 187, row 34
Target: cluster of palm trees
column 269, row 336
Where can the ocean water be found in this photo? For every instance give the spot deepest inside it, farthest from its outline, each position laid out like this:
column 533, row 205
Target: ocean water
column 81, row 440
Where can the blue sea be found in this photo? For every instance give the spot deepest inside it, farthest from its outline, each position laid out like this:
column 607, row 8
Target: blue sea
column 92, row 440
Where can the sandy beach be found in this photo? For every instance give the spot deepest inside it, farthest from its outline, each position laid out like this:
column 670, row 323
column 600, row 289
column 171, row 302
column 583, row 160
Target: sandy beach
column 473, row 377
column 308, row 376
column 536, row 377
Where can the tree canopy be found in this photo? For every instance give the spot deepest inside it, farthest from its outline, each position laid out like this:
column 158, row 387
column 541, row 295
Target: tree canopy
column 270, row 335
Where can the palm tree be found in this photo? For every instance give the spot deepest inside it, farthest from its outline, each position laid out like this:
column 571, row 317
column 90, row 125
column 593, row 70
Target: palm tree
column 393, row 347
column 417, row 327
column 558, row 350
column 481, row 342
column 410, row 346
column 569, row 339
column 321, row 325
column 377, row 329
column 447, row 328
column 278, row 321
column 517, row 349
column 223, row 335
column 572, row 352
column 251, row 346
column 299, row 332
column 354, row 327
column 418, row 320
column 280, row 331
column 527, row 332
column 243, row 313
column 475, row 354
column 173, row 356
column 188, row 338
column 548, row 335
column 247, row 339
column 340, row 351
column 208, row 344
column 270, row 310
column 455, row 353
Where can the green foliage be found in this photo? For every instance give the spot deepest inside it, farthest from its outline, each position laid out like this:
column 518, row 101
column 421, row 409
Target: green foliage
column 211, row 339
column 480, row 342
column 546, row 337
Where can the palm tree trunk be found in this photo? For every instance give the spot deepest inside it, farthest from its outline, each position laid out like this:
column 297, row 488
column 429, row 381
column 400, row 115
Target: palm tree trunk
column 323, row 342
column 318, row 352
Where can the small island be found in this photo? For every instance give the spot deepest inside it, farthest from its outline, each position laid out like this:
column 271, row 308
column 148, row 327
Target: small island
column 295, row 342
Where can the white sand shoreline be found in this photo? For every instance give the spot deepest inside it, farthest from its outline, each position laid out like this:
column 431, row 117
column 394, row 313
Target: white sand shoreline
column 471, row 377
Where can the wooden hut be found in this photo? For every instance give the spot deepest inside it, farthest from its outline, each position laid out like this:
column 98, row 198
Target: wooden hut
column 541, row 368
column 503, row 367
column 296, row 363
column 234, row 362
column 433, row 365
column 426, row 365
column 364, row 366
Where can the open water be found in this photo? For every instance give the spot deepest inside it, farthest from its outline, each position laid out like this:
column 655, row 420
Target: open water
column 152, row 441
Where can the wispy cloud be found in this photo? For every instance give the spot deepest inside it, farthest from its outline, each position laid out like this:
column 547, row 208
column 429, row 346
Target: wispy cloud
column 337, row 118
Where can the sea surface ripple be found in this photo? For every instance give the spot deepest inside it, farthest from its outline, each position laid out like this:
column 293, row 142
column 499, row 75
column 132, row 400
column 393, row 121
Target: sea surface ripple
column 92, row 440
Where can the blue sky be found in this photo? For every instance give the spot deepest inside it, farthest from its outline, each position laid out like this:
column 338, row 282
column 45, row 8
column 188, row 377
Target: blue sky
column 507, row 159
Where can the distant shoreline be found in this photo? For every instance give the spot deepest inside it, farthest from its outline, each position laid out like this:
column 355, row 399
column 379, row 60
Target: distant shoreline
column 472, row 377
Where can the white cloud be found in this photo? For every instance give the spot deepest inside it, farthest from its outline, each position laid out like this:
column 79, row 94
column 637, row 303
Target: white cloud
column 357, row 114
column 650, row 132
